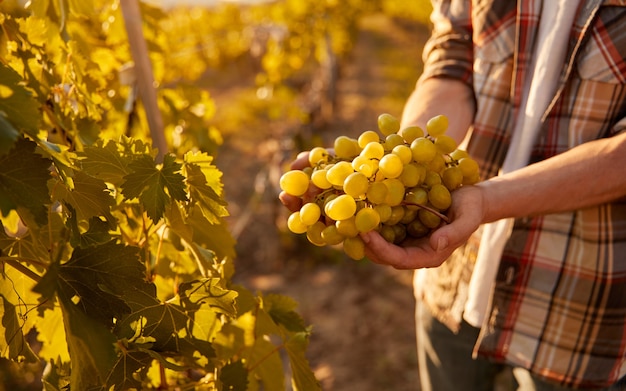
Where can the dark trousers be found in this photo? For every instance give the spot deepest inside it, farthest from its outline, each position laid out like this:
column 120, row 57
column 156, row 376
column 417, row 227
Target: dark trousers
column 445, row 362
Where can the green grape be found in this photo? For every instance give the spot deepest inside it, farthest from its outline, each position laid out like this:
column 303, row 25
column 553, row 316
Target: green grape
column 359, row 161
column 410, row 214
column 445, row 143
column 400, row 233
column 417, row 229
column 439, row 196
column 377, row 192
column 347, row 227
column 346, row 147
column 338, row 173
column 319, row 179
column 388, row 124
column 331, row 236
column 373, row 150
column 365, row 166
column 423, row 150
column 384, row 211
column 397, row 213
column 356, row 185
column 437, row 164
column 468, row 167
column 432, row 178
column 390, row 166
column 410, row 133
column 392, row 141
column 428, row 218
column 403, row 151
column 458, row 154
column 395, row 191
column 294, row 182
column 295, row 224
column 437, row 125
column 369, row 136
column 326, row 199
column 411, row 175
column 416, row 196
column 422, row 170
column 317, row 156
column 388, row 233
column 471, row 180
column 341, row 208
column 310, row 213
column 452, row 177
column 314, row 233
column 354, row 248
column 367, row 219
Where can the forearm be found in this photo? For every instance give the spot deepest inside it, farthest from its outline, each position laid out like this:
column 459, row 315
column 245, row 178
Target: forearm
column 587, row 175
column 435, row 96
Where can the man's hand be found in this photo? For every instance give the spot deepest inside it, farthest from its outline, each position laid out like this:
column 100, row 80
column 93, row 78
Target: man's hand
column 295, row 203
column 466, row 214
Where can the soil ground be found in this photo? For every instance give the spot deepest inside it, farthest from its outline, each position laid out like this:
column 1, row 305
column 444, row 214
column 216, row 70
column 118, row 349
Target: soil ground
column 361, row 313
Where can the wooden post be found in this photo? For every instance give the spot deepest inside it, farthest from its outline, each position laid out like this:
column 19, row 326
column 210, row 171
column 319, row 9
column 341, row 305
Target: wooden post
column 144, row 74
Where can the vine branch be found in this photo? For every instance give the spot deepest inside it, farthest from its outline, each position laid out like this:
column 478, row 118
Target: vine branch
column 14, row 263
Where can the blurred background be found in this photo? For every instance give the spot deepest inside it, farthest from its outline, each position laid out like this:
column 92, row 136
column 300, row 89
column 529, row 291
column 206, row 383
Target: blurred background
column 361, row 313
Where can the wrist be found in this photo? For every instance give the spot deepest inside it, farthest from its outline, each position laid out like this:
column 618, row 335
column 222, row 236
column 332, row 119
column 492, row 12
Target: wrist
column 486, row 198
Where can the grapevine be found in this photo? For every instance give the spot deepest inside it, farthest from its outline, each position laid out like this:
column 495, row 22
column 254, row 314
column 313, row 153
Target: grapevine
column 396, row 181
column 116, row 263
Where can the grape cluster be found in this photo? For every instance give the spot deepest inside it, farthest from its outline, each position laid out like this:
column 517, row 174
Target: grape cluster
column 395, row 181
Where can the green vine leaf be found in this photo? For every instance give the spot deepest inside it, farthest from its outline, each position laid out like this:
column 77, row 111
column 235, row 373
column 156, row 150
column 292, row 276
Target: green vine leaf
column 268, row 365
column 91, row 346
column 202, row 195
column 18, row 108
column 184, row 325
column 89, row 197
column 170, row 326
column 303, row 377
column 23, row 181
column 215, row 237
column 104, row 161
column 234, row 376
column 51, row 333
column 97, row 233
column 8, row 134
column 129, row 363
column 211, row 174
column 282, row 310
column 101, row 279
column 13, row 345
column 204, row 302
column 149, row 183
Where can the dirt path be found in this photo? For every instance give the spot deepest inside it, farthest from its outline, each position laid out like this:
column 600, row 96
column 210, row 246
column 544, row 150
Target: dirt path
column 362, row 314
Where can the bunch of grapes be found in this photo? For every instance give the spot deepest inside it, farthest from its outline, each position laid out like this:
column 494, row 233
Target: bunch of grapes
column 395, row 181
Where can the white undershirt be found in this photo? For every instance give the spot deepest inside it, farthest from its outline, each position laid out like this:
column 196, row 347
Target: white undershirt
column 557, row 17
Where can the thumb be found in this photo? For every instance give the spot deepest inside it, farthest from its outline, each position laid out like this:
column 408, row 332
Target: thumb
column 450, row 236
column 440, row 241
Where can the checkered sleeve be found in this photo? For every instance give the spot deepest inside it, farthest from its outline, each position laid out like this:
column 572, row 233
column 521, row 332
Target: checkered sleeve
column 449, row 50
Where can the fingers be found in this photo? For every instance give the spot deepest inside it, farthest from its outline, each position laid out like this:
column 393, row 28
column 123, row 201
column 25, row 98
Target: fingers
column 291, row 202
column 432, row 251
column 416, row 254
column 301, row 162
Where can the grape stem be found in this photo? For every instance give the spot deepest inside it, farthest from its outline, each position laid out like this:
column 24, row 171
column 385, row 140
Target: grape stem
column 431, row 210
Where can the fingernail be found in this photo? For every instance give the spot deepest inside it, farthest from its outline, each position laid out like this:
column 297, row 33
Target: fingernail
column 365, row 237
column 442, row 243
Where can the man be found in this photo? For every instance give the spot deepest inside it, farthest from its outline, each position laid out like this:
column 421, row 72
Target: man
column 530, row 274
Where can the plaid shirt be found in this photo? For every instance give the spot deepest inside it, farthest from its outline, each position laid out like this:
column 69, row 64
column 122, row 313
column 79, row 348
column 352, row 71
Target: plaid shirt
column 559, row 306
